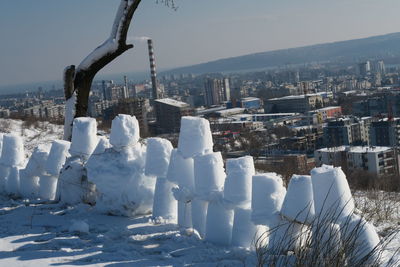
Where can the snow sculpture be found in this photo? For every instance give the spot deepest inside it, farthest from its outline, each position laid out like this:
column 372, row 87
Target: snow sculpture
column 73, row 185
column 332, row 195
column 119, row 172
column 219, row 222
column 49, row 179
column 124, row 131
column 209, row 176
column 11, row 161
column 158, row 155
column 243, row 230
column 195, row 137
column 268, row 193
column 298, row 204
column 237, row 198
column 29, row 177
column 237, row 189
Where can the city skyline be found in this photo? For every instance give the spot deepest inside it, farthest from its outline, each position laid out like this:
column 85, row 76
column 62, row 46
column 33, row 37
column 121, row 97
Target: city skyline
column 195, row 33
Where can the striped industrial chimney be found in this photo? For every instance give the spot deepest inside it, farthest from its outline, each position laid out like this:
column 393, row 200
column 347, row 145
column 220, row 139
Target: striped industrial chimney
column 155, row 92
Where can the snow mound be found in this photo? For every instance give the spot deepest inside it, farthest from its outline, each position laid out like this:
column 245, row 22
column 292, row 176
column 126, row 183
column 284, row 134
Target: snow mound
column 121, row 185
column 79, row 226
column 57, row 156
column 181, row 171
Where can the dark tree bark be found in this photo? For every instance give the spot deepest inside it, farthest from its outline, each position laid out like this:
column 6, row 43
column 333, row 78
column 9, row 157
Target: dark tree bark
column 79, row 81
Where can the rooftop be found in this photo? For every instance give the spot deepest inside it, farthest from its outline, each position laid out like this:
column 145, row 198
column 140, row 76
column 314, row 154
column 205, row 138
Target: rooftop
column 173, row 102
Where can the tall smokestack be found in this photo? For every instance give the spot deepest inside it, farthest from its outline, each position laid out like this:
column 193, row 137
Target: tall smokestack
column 155, row 92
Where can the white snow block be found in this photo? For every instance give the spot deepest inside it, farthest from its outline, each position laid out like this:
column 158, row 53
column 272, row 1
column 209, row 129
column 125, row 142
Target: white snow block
column 199, row 216
column 71, row 185
column 28, row 184
column 195, row 137
column 84, row 137
column 243, row 230
column 326, row 239
column 164, row 205
column 157, row 156
column 332, row 195
column 237, row 188
column 12, row 150
column 125, row 131
column 219, row 224
column 37, row 161
column 298, row 204
column 1, row 142
column 4, row 173
column 268, row 193
column 209, row 174
column 284, row 236
column 57, row 156
column 365, row 239
column 185, row 214
column 181, row 171
column 12, row 182
column 48, row 187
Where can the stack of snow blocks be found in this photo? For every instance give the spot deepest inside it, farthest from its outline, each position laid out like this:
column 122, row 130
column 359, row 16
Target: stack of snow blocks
column 29, row 177
column 237, row 196
column 73, row 185
column 117, row 170
column 11, row 161
column 55, row 161
column 197, row 171
column 333, row 201
column 158, row 154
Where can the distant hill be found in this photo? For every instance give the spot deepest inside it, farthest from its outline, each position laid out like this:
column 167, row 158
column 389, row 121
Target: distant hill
column 379, row 47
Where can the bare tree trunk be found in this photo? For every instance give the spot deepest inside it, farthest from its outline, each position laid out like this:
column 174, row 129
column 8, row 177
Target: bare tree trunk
column 78, row 82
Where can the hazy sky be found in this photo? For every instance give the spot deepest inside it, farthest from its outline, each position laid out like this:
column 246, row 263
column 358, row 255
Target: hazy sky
column 38, row 38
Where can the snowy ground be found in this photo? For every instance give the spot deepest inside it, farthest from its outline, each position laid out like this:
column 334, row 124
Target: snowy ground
column 45, row 235
column 39, row 234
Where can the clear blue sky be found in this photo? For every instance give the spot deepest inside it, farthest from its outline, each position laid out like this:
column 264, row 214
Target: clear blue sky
column 40, row 37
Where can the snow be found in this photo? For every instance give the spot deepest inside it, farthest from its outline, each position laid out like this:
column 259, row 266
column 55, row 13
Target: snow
column 332, row 195
column 209, row 174
column 121, row 185
column 157, row 157
column 243, row 229
column 57, row 156
column 124, row 131
column 219, row 223
column 199, row 216
column 195, row 137
column 115, row 180
column 79, row 226
column 165, row 205
column 268, row 193
column 237, row 188
column 363, row 234
column 84, row 137
column 12, row 153
column 181, row 171
column 298, row 204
